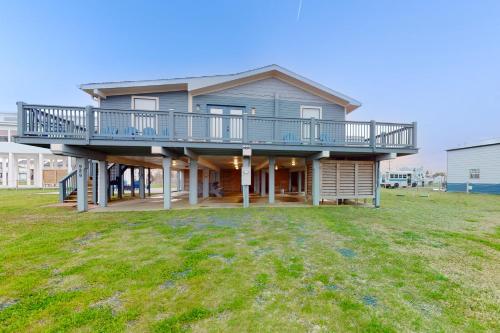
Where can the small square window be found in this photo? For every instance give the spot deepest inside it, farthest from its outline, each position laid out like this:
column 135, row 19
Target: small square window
column 474, row 173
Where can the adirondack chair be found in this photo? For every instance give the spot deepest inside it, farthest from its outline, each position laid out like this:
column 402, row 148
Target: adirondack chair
column 148, row 131
column 291, row 138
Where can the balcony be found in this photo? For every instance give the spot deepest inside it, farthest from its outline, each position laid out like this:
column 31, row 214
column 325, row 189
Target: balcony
column 87, row 125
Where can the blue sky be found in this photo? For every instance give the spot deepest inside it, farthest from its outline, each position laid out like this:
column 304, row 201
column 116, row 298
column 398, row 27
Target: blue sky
column 435, row 62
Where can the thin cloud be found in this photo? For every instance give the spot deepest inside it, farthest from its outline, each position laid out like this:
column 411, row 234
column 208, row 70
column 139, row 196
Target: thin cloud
column 299, row 10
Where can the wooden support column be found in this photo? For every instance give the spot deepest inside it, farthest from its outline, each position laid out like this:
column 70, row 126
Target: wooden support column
column 180, row 180
column 93, row 173
column 262, row 182
column 256, row 180
column 193, row 181
column 272, row 163
column 299, row 181
column 39, row 171
column 120, row 182
column 315, row 182
column 149, row 182
column 206, row 181
column 167, row 190
column 132, row 181
column 12, row 182
column 142, row 181
column 103, row 184
column 82, row 184
column 376, row 200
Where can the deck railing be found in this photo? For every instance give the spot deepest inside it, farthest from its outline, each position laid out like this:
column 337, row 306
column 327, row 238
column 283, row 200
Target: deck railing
column 113, row 124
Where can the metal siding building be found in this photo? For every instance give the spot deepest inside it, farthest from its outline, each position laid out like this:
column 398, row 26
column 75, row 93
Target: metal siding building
column 476, row 166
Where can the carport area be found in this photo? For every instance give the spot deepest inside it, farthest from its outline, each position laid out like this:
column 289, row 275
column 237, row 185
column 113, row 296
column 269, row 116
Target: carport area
column 213, row 177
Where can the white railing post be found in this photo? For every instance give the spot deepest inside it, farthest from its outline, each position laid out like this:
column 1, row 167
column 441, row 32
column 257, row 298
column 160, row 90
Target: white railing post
column 414, row 135
column 21, row 119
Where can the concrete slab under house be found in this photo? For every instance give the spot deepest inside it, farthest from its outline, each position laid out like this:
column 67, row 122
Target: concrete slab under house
column 266, row 136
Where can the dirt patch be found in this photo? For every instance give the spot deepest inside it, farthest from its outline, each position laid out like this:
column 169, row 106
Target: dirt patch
column 112, row 302
column 6, row 303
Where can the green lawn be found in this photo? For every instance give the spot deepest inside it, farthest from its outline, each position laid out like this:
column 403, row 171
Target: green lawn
column 417, row 264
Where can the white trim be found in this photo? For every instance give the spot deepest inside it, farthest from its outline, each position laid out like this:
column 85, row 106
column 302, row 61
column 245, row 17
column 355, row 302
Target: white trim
column 133, row 97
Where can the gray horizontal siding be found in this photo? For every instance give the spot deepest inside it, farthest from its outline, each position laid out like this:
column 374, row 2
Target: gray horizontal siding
column 177, row 100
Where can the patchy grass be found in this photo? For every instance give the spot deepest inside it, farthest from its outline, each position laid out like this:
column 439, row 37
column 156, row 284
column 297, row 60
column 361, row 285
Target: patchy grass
column 417, row 264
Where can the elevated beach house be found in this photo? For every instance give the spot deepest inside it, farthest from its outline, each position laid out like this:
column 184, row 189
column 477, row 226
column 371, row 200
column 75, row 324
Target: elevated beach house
column 263, row 134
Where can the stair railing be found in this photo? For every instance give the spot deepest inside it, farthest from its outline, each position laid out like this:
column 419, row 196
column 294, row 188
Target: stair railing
column 67, row 186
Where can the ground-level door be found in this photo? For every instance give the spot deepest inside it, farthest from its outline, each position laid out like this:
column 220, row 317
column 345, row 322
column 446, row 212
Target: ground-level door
column 227, row 124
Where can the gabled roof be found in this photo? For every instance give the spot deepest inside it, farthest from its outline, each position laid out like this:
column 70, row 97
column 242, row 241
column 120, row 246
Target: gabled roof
column 203, row 84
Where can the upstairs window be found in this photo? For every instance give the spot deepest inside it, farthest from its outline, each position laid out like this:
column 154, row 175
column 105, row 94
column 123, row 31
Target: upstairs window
column 145, row 103
column 474, row 173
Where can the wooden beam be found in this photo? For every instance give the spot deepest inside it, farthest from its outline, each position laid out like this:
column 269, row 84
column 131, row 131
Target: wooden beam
column 162, row 151
column 99, row 93
column 75, row 151
column 262, row 165
column 131, row 161
column 385, row 157
column 207, row 164
column 191, row 154
column 319, row 155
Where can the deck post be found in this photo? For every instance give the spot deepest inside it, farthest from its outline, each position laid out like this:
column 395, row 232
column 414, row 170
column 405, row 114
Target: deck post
column 246, row 179
column 262, row 182
column 193, row 181
column 315, row 182
column 414, row 135
column 102, row 183
column 82, row 184
column 299, row 182
column 167, row 190
column 245, row 127
column 272, row 163
column 132, row 181
column 312, row 131
column 376, row 200
column 372, row 134
column 142, row 185
column 206, row 179
column 171, row 127
column 21, row 120
column 89, row 122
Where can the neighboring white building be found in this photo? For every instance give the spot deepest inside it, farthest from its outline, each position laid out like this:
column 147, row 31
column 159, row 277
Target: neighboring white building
column 474, row 168
column 27, row 166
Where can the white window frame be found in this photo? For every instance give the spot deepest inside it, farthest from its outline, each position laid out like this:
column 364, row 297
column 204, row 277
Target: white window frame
column 134, row 97
column 132, row 106
column 303, row 130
